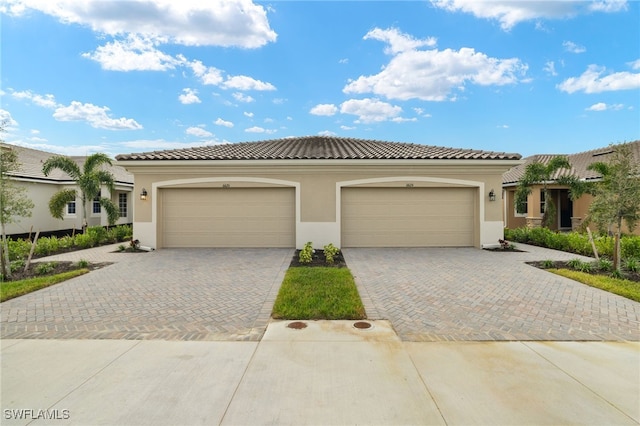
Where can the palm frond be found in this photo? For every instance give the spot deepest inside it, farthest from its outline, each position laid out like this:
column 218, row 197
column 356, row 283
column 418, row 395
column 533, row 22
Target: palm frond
column 63, row 163
column 59, row 201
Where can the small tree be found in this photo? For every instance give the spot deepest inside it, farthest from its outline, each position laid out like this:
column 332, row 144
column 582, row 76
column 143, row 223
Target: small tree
column 13, row 201
column 537, row 173
column 617, row 194
column 89, row 180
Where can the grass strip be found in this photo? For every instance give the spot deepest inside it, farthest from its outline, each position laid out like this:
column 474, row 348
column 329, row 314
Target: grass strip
column 11, row 289
column 621, row 287
column 318, row 293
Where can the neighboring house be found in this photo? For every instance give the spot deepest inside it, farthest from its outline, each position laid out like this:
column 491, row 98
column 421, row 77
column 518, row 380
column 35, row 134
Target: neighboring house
column 41, row 188
column 349, row 192
column 570, row 214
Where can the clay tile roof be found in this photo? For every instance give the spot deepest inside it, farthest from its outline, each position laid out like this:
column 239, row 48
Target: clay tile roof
column 318, row 148
column 31, row 161
column 579, row 163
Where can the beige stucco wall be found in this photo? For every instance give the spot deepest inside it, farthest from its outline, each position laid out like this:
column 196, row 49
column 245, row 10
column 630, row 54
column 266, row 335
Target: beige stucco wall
column 41, row 220
column 318, row 184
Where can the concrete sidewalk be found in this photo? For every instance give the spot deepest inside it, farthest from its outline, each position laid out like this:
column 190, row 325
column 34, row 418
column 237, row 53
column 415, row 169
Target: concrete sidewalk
column 327, row 373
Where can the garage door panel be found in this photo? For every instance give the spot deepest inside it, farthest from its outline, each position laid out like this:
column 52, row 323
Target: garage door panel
column 242, row 217
column 402, row 217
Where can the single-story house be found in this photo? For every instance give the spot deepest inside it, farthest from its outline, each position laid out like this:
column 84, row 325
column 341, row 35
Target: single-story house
column 40, row 189
column 570, row 214
column 323, row 189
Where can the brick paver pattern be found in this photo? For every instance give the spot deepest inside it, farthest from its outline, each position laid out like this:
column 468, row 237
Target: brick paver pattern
column 170, row 294
column 456, row 294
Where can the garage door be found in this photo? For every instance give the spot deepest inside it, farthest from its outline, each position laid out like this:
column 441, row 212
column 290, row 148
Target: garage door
column 239, row 217
column 408, row 217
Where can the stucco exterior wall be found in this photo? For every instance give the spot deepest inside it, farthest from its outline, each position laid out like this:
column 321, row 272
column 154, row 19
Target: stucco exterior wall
column 41, row 220
column 318, row 184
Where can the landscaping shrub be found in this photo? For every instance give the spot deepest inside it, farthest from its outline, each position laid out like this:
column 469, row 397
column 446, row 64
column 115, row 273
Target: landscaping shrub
column 18, row 249
column 605, row 264
column 97, row 234
column 17, row 265
column 330, row 251
column 122, row 232
column 83, row 241
column 574, row 242
column 631, row 264
column 45, row 268
column 306, row 254
column 66, row 242
column 46, row 245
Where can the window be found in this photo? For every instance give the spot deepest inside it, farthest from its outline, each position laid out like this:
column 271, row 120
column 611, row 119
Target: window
column 97, row 208
column 543, row 202
column 71, row 208
column 520, row 211
column 122, row 204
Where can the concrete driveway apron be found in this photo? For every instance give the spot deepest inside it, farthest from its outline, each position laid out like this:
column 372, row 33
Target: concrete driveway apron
column 170, row 294
column 459, row 294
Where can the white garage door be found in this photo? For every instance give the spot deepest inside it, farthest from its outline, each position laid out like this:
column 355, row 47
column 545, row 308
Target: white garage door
column 408, row 217
column 239, row 217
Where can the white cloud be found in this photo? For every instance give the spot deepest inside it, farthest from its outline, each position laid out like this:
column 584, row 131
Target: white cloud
column 161, row 144
column 242, row 82
column 133, row 54
column 397, row 41
column 34, row 131
column 241, row 97
column 635, row 65
column 324, row 109
column 248, row 114
column 199, row 132
column 221, row 122
column 189, row 96
column 510, row 13
column 608, row 5
column 550, row 68
column 343, row 127
column 370, row 110
column 207, row 75
column 279, row 101
column 326, row 133
column 572, row 47
column 343, row 61
column 432, row 75
column 5, row 116
column 94, row 115
column 45, row 101
column 239, row 23
column 502, row 126
column 601, row 106
column 593, row 81
column 256, row 129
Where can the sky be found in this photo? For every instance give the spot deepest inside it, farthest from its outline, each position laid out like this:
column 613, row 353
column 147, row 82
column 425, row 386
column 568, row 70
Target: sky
column 118, row 77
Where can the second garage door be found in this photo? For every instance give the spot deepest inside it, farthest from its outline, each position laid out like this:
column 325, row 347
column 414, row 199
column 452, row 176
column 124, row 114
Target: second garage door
column 239, row 217
column 408, row 217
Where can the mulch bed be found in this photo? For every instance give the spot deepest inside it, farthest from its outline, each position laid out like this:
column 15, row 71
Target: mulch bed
column 60, row 267
column 561, row 264
column 501, row 250
column 318, row 259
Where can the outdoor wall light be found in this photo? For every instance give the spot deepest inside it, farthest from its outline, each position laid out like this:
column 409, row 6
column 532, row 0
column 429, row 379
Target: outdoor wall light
column 492, row 195
column 143, row 194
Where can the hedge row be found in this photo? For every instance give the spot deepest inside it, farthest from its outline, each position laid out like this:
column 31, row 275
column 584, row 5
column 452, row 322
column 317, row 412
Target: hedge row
column 45, row 246
column 575, row 242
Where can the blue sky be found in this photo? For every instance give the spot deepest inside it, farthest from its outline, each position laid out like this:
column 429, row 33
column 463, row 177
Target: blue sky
column 129, row 76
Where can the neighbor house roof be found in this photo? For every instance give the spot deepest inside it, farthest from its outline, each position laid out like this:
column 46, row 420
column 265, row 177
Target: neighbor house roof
column 579, row 163
column 32, row 160
column 318, row 148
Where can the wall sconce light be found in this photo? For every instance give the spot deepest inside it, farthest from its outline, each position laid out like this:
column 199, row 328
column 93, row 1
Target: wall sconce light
column 143, row 194
column 492, row 195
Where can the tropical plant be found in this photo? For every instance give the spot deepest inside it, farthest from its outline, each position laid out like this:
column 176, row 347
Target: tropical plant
column 306, row 254
column 617, row 195
column 14, row 202
column 89, row 180
column 537, row 173
column 330, row 252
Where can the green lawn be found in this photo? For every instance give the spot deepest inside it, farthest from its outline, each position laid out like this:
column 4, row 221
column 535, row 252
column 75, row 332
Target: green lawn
column 624, row 288
column 318, row 293
column 11, row 289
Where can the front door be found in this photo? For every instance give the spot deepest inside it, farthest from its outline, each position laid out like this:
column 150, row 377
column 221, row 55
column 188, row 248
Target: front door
column 566, row 209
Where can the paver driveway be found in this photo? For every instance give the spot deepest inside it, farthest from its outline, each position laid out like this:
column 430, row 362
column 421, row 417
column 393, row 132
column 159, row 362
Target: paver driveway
column 435, row 294
column 170, row 294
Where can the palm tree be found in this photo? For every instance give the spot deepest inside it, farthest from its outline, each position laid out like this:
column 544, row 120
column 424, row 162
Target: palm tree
column 540, row 173
column 89, row 180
